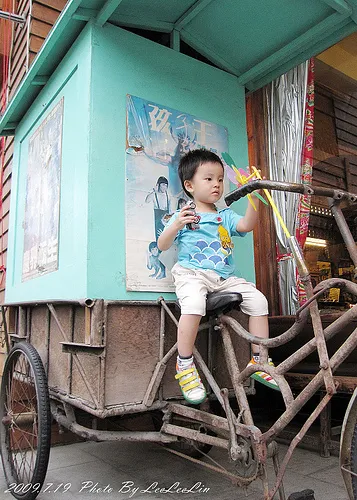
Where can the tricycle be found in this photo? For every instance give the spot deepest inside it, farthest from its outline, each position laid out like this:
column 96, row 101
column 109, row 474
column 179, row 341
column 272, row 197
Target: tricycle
column 87, row 363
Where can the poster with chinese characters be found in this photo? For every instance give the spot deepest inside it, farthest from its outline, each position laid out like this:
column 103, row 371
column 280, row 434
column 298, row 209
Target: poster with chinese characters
column 157, row 137
column 43, row 197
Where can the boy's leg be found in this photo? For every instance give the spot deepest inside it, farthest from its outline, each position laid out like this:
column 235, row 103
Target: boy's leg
column 187, row 333
column 259, row 327
column 256, row 306
column 191, row 291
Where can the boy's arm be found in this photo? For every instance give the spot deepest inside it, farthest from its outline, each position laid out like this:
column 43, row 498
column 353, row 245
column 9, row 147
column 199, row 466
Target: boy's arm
column 166, row 238
column 247, row 223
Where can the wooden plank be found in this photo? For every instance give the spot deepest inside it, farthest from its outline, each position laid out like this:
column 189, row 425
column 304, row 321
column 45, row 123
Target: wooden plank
column 5, row 222
column 19, row 28
column 8, row 172
column 300, row 380
column 346, row 126
column 8, row 155
column 54, row 4
column 18, row 73
column 44, row 13
column 330, row 169
column 346, row 107
column 320, row 178
column 39, row 28
column 32, row 56
column 264, row 232
column 19, row 56
column 347, row 138
column 6, row 205
column 6, row 189
column 345, row 149
column 4, row 240
column 348, row 175
column 324, row 103
column 36, row 43
column 346, row 117
column 17, row 82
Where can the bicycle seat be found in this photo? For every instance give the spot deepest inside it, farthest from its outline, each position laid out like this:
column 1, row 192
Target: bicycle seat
column 218, row 302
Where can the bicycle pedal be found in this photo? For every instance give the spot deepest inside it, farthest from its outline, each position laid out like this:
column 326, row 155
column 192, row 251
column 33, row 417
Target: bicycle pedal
column 302, row 495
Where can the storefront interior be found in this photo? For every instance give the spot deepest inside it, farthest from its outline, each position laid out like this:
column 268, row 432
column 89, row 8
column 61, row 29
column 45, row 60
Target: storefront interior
column 335, row 165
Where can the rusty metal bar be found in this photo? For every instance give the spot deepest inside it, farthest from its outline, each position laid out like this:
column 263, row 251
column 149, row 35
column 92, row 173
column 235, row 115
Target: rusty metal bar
column 112, row 411
column 305, row 189
column 185, row 432
column 235, row 479
column 22, row 323
column 276, row 465
column 345, row 232
column 103, row 356
column 335, row 361
column 99, row 435
column 234, row 372
column 210, row 379
column 320, row 339
column 162, row 333
column 75, row 358
column 296, row 441
column 4, row 325
column 200, row 416
column 96, row 322
column 273, row 372
column 285, row 337
column 309, row 347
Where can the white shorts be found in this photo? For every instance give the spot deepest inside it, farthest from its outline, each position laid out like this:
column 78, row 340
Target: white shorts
column 193, row 285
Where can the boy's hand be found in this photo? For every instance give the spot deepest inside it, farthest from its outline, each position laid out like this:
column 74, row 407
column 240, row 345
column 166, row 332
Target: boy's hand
column 185, row 216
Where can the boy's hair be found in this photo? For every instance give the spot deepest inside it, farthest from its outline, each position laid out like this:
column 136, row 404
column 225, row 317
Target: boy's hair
column 190, row 162
column 162, row 180
column 152, row 245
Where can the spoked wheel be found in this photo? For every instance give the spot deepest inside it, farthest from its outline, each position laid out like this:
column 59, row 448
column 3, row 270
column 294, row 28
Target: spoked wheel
column 25, row 422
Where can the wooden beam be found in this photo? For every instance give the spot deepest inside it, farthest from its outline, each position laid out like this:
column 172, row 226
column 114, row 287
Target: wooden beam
column 175, row 40
column 106, row 11
column 40, row 81
column 208, row 53
column 140, row 23
column 321, row 30
column 191, row 13
column 316, row 48
column 83, row 14
column 339, row 5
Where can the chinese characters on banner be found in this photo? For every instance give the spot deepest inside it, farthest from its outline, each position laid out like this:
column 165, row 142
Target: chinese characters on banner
column 157, row 137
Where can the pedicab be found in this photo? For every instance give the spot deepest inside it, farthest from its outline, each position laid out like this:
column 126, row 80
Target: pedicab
column 87, row 364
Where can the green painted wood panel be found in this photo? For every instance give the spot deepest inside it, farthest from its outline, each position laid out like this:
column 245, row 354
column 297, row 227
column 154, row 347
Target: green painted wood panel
column 124, row 63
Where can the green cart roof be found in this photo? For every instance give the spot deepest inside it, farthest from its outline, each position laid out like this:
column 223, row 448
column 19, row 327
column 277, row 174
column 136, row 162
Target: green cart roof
column 256, row 40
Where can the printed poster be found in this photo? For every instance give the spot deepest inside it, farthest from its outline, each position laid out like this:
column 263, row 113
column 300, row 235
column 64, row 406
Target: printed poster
column 157, row 137
column 40, row 255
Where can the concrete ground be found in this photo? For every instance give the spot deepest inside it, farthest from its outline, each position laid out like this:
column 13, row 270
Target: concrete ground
column 122, row 471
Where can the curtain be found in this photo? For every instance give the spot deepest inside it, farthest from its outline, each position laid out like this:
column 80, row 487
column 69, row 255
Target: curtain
column 286, row 98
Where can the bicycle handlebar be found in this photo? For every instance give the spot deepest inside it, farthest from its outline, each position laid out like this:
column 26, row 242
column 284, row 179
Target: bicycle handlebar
column 306, row 189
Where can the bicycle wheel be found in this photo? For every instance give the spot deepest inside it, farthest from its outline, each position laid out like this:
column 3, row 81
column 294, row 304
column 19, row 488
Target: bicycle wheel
column 25, row 422
column 354, row 461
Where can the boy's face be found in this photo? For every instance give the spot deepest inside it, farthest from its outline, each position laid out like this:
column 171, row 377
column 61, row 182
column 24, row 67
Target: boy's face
column 163, row 187
column 206, row 185
column 154, row 251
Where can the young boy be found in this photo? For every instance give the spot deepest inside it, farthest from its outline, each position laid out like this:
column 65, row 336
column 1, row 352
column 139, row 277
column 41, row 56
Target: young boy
column 205, row 264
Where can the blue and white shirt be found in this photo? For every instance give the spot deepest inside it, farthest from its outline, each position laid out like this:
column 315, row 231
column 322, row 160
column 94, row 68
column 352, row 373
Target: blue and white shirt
column 210, row 246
